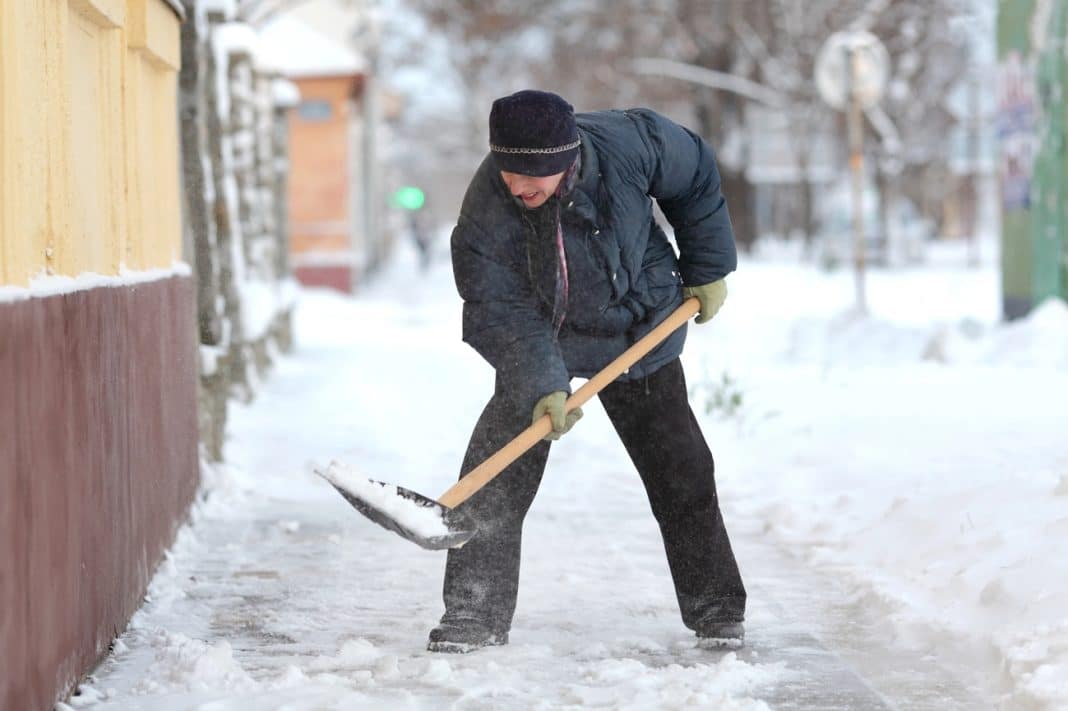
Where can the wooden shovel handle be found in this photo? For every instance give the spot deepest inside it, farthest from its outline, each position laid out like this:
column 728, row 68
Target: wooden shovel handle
column 484, row 472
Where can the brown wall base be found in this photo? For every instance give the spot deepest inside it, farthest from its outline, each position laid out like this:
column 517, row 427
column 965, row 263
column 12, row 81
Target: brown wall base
column 330, row 277
column 98, row 467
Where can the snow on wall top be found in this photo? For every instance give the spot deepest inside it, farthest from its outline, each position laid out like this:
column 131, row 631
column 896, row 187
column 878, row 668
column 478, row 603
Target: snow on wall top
column 44, row 286
column 296, row 50
column 237, row 37
column 285, row 93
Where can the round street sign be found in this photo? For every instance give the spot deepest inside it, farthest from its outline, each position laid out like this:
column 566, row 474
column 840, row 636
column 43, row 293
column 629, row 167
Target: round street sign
column 871, row 69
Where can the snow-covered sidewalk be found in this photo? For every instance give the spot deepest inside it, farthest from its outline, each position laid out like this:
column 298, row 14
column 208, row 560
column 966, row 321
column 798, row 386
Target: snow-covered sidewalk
column 896, row 487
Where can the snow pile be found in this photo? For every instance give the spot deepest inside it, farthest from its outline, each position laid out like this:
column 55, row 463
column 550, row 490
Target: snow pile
column 1039, row 340
column 355, row 653
column 1029, row 661
column 184, row 664
column 632, row 684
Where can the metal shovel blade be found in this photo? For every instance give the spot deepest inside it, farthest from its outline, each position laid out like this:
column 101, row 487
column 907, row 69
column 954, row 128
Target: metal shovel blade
column 407, row 513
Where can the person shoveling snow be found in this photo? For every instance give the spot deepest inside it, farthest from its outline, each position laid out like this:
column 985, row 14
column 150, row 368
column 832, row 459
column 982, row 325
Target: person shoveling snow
column 564, row 273
column 561, row 267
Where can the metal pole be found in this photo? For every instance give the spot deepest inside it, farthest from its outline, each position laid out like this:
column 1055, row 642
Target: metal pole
column 856, row 166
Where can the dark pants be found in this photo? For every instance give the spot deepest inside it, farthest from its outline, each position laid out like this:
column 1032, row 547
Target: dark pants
column 653, row 419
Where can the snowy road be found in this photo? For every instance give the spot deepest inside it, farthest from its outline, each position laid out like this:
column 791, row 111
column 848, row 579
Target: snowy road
column 835, row 482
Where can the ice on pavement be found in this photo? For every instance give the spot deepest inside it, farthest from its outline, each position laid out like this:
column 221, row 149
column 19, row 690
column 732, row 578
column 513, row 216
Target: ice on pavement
column 916, row 455
column 424, row 521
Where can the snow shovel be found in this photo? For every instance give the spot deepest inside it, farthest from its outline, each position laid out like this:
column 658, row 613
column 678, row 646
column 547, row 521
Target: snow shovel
column 436, row 525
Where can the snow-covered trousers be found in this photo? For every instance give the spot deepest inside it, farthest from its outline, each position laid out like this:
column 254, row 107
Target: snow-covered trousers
column 652, row 417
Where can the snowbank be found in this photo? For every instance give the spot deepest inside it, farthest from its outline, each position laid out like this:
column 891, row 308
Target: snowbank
column 919, row 450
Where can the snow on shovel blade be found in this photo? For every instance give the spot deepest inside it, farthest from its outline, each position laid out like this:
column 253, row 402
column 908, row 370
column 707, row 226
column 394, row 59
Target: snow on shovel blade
column 407, row 513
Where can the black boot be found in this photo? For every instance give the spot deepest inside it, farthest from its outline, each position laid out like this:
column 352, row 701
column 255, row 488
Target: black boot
column 459, row 636
column 720, row 634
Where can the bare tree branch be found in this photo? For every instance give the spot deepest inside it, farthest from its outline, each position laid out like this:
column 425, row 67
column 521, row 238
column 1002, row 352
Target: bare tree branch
column 782, row 78
column 710, row 78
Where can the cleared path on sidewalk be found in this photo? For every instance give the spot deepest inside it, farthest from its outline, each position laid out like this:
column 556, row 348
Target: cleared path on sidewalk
column 282, row 595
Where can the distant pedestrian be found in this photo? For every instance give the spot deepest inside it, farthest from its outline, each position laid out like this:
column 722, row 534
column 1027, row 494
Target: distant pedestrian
column 421, row 239
column 561, row 267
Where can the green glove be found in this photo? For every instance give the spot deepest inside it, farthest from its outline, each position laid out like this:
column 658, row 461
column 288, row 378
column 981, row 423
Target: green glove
column 711, row 296
column 553, row 403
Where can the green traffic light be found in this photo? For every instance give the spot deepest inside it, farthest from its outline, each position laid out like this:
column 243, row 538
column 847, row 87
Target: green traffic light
column 409, row 198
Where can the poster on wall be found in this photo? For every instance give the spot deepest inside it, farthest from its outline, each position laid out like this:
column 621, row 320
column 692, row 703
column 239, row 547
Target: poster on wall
column 1017, row 124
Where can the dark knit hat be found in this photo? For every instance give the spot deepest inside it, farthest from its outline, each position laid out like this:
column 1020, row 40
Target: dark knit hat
column 533, row 133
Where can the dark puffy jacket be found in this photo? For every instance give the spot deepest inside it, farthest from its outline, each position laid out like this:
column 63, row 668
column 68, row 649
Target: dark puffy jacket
column 624, row 274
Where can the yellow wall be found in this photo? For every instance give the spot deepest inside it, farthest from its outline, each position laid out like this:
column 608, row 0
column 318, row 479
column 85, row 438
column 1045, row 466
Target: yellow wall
column 88, row 137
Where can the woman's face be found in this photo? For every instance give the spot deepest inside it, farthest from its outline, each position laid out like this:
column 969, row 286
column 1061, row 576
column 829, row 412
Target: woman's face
column 531, row 190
